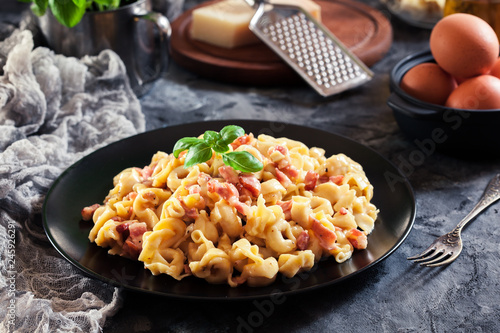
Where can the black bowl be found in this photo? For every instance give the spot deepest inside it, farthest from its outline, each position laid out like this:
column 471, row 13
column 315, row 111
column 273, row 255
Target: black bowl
column 464, row 133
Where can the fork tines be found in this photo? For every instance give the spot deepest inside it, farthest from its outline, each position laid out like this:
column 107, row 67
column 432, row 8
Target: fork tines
column 432, row 257
column 442, row 251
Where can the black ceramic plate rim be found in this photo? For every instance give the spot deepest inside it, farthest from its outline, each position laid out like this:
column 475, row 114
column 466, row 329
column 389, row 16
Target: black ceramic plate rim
column 248, row 292
column 405, row 65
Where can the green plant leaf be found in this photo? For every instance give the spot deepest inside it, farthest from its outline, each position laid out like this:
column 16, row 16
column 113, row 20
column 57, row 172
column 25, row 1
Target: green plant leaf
column 39, row 7
column 198, row 153
column 231, row 133
column 201, row 150
column 243, row 161
column 67, row 12
column 80, row 3
column 108, row 4
column 103, row 2
column 211, row 137
column 184, row 144
column 220, row 147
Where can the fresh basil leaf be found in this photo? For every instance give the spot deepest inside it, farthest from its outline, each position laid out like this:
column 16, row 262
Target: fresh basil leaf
column 39, row 7
column 211, row 137
column 243, row 161
column 198, row 153
column 183, row 144
column 67, row 12
column 220, row 147
column 231, row 133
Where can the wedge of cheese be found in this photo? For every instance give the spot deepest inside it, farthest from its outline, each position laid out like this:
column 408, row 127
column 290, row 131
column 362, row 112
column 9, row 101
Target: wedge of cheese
column 225, row 23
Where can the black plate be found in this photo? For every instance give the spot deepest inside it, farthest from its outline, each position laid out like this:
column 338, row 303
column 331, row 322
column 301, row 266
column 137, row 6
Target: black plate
column 89, row 180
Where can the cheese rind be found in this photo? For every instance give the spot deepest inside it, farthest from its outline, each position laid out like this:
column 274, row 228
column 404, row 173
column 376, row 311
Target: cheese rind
column 225, row 23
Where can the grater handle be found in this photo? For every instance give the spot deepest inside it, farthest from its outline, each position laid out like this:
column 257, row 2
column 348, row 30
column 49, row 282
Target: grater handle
column 253, row 3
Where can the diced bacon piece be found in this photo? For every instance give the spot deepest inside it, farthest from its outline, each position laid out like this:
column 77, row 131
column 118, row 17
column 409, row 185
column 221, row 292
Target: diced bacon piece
column 122, row 228
column 337, row 179
column 323, row 179
column 282, row 149
column 187, row 270
column 88, row 212
column 146, row 172
column 343, row 211
column 149, row 196
column 118, row 218
column 228, row 192
column 131, row 196
column 203, row 179
column 291, row 171
column 239, row 279
column 242, row 140
column 282, row 178
column 240, row 206
column 286, row 206
column 193, row 189
column 190, row 213
column 334, row 179
column 325, row 235
column 251, row 183
column 133, row 244
column 225, row 190
column 245, row 195
column 310, row 180
column 357, row 239
column 147, row 182
column 229, row 174
column 303, row 240
column 136, row 231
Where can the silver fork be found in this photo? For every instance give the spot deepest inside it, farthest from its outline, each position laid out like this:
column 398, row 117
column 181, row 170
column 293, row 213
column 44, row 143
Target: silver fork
column 446, row 248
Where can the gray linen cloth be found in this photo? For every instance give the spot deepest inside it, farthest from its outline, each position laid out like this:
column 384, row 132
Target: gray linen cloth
column 54, row 111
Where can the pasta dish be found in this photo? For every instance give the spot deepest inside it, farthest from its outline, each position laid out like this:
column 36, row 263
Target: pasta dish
column 215, row 222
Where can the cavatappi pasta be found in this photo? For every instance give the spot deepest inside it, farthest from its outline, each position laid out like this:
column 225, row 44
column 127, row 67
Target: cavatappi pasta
column 225, row 226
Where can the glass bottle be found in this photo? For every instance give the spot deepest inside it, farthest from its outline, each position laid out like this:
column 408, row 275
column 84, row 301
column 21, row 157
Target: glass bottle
column 488, row 10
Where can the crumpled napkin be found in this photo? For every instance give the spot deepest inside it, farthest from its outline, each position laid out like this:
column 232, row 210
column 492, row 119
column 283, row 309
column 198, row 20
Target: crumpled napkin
column 53, row 111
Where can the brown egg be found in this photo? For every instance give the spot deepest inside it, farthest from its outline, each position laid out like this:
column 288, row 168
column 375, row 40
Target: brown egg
column 464, row 45
column 495, row 70
column 429, row 83
column 478, row 93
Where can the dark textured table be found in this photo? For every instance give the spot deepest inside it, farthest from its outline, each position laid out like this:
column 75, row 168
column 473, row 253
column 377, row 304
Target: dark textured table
column 395, row 295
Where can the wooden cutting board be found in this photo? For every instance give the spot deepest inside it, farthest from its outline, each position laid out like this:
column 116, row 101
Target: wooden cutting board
column 364, row 30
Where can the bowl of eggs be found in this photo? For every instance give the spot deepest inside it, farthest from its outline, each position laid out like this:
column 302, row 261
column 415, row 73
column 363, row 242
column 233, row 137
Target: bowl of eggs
column 447, row 98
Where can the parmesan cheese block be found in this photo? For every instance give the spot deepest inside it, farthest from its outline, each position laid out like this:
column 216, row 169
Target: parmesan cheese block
column 225, row 23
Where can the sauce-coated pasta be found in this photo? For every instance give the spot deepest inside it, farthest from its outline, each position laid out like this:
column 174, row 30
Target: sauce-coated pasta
column 225, row 226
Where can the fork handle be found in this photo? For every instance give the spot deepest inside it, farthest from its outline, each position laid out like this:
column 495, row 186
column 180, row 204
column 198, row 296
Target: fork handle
column 490, row 195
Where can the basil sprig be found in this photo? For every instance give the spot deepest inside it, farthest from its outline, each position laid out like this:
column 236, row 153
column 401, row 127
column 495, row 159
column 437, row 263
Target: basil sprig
column 201, row 150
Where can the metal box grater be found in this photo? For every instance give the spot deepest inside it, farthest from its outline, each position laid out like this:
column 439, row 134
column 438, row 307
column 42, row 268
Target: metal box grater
column 308, row 47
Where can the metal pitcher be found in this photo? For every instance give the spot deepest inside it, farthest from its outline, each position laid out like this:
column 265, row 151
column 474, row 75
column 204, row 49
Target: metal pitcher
column 136, row 33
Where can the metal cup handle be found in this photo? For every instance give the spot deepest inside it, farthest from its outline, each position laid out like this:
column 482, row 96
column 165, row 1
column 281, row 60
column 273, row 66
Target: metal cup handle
column 163, row 25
